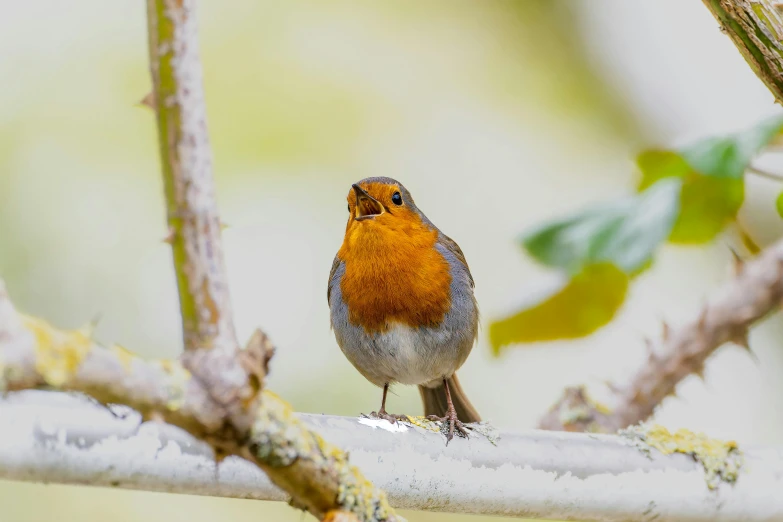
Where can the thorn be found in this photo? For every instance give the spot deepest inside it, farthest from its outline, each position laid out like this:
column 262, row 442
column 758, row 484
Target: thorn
column 676, row 397
column 665, row 331
column 702, row 319
column 739, row 263
column 699, row 373
column 170, row 236
column 648, row 345
column 741, row 339
column 95, row 320
column 612, row 387
column 148, row 101
column 89, row 329
column 224, row 226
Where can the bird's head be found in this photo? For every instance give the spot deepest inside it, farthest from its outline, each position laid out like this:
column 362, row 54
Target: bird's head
column 375, row 203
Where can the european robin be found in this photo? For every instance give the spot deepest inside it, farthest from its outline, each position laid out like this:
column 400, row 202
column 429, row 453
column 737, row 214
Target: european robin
column 401, row 301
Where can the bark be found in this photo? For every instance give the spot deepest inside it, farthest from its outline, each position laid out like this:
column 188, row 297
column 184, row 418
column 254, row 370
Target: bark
column 756, row 28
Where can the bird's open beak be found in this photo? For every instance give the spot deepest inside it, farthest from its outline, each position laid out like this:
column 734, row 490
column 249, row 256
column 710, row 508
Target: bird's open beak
column 366, row 205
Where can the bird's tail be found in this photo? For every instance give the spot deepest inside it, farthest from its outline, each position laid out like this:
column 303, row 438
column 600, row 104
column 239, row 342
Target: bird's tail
column 435, row 403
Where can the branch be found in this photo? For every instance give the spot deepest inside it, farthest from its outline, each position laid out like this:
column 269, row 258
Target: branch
column 756, row 28
column 33, row 354
column 59, row 438
column 756, row 290
column 211, row 348
column 764, row 173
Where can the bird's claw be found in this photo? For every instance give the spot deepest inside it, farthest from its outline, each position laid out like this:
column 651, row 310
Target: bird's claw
column 453, row 423
column 391, row 417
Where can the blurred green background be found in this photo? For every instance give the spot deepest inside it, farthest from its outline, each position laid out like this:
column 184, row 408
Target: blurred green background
column 495, row 114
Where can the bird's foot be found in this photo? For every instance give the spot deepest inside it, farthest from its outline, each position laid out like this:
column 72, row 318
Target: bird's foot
column 453, row 423
column 391, row 417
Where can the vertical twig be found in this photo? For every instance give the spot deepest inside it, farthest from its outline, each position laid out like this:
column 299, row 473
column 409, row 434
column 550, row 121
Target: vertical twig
column 318, row 475
column 194, row 225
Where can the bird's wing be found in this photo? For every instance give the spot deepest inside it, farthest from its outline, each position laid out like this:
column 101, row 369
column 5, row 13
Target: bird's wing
column 335, row 266
column 454, row 248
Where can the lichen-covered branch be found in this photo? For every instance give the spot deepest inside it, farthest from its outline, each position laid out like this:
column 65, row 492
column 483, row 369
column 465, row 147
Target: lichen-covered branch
column 639, row 475
column 756, row 290
column 211, row 348
column 756, row 28
column 318, row 476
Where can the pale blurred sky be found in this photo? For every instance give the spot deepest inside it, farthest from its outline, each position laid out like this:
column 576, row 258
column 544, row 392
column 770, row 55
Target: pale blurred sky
column 496, row 115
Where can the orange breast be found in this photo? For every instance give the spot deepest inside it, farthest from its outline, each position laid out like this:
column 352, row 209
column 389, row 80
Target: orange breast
column 394, row 274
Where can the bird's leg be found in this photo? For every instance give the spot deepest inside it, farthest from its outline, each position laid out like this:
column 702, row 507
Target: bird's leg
column 451, row 417
column 381, row 414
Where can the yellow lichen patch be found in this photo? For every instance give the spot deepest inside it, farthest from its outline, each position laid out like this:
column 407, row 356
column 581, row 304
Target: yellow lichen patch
column 177, row 382
column 278, row 435
column 721, row 460
column 424, row 423
column 58, row 353
column 124, row 355
column 279, row 439
column 358, row 495
column 340, row 516
column 601, row 408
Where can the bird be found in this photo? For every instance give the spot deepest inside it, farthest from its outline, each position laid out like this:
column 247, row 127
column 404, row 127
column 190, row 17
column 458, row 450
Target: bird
column 401, row 302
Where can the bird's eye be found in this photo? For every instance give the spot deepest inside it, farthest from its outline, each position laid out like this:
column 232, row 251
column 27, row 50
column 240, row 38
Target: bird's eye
column 349, row 207
column 396, row 198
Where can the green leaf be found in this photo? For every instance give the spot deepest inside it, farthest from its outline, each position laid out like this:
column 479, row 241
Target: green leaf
column 712, row 172
column 779, row 204
column 660, row 164
column 585, row 303
column 624, row 233
column 707, row 206
column 729, row 156
column 599, row 250
column 707, row 203
column 686, row 196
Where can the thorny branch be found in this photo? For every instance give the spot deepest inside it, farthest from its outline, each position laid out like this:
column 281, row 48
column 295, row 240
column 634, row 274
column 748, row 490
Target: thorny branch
column 211, row 348
column 756, row 290
column 255, row 426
